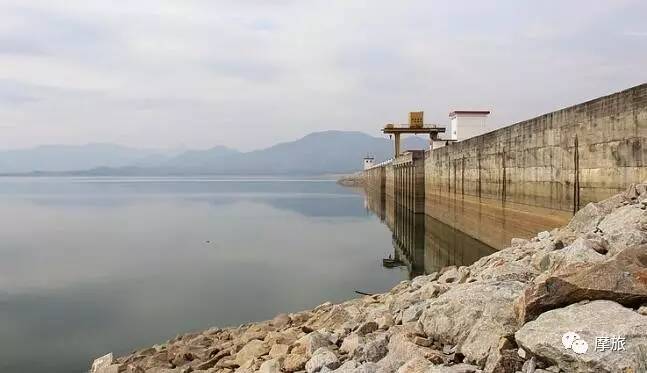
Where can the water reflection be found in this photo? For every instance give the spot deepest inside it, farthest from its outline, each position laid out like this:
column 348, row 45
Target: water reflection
column 89, row 266
column 420, row 242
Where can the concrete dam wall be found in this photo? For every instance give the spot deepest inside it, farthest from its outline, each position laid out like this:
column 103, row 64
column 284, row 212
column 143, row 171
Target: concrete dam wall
column 529, row 176
column 560, row 160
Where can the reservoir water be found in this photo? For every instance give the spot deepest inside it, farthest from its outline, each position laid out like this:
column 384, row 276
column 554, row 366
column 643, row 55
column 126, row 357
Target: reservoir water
column 93, row 265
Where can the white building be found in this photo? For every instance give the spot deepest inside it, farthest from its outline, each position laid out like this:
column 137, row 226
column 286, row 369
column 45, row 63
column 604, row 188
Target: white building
column 369, row 161
column 464, row 124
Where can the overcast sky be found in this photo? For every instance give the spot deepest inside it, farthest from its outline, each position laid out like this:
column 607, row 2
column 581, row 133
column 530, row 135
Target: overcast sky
column 250, row 73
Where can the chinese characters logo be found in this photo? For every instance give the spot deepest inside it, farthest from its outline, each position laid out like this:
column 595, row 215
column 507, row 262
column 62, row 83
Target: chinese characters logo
column 572, row 341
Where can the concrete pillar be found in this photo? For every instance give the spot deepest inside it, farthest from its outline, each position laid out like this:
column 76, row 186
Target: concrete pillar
column 396, row 142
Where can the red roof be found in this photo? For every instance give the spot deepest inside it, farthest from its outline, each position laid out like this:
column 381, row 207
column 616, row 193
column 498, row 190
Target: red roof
column 456, row 112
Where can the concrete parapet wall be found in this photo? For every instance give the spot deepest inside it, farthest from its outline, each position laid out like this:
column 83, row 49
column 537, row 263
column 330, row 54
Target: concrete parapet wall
column 561, row 160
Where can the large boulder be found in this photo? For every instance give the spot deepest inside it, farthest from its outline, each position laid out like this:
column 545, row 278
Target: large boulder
column 590, row 321
column 311, row 342
column 330, row 319
column 321, row 358
column 252, row 350
column 294, row 363
column 622, row 278
column 621, row 228
column 474, row 316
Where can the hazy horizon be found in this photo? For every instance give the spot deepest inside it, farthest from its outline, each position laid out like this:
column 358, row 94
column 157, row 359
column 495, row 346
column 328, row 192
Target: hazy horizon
column 194, row 74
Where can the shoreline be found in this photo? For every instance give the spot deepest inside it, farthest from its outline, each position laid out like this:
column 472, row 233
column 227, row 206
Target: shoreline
column 507, row 312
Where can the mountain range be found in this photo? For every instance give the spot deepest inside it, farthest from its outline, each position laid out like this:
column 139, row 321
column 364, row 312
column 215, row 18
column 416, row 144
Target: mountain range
column 316, row 153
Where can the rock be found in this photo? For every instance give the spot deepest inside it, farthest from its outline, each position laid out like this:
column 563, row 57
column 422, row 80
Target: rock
column 114, row 368
column 400, row 349
column 385, row 321
column 270, row 366
column 281, row 320
column 279, row 350
column 598, row 243
column 600, row 318
column 351, row 344
column 294, row 363
column 333, row 318
column 367, row 327
column 415, row 365
column 518, row 242
column 312, row 342
column 347, row 367
column 102, row 362
column 419, row 281
column 323, row 357
column 543, row 235
column 587, row 218
column 642, row 310
column 420, row 341
column 458, row 368
column 252, row 350
column 621, row 279
column 475, row 316
column 432, row 290
column 522, row 353
column 373, row 350
column 412, row 313
column 450, row 276
column 509, row 271
column 530, row 365
column 621, row 228
column 582, row 251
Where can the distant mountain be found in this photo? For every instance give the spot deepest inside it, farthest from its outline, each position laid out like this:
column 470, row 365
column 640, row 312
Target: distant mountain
column 52, row 158
column 316, row 153
column 320, row 152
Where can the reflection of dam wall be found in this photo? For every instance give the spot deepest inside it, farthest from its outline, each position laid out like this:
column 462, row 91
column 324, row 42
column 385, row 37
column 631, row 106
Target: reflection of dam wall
column 527, row 177
column 422, row 243
column 446, row 245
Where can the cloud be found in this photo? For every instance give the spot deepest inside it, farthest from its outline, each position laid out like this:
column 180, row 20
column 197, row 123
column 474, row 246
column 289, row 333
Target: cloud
column 249, row 74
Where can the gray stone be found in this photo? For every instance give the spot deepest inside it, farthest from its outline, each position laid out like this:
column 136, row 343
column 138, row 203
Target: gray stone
column 412, row 313
column 351, row 343
column 252, row 350
column 475, row 316
column 294, row 363
column 582, row 251
column 367, row 327
column 312, row 342
column 621, row 228
column 530, row 365
column 279, row 350
column 374, row 350
column 415, row 365
column 102, row 362
column 587, row 218
column 458, row 368
column 621, row 278
column 270, row 366
column 450, row 276
column 543, row 235
column 518, row 242
column 281, row 320
column 600, row 318
column 323, row 357
column 347, row 367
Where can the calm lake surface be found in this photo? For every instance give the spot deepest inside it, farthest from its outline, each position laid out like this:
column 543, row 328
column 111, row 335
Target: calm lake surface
column 93, row 265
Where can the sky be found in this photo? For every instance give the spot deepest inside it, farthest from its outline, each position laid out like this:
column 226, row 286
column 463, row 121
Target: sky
column 251, row 73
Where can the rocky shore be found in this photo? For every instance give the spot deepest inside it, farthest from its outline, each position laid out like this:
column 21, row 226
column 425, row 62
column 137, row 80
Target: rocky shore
column 570, row 300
